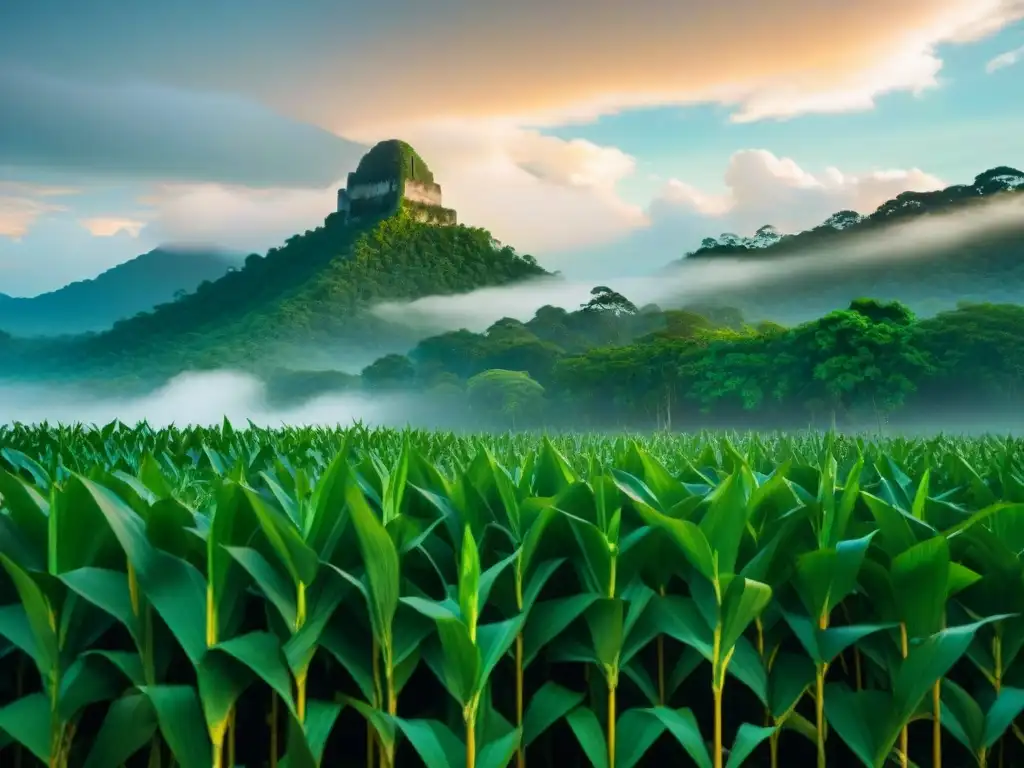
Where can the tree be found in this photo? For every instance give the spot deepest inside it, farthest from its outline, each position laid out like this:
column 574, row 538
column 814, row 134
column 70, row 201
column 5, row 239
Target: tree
column 389, row 372
column 858, row 359
column 606, row 300
column 883, row 311
column 843, row 219
column 511, row 393
column 766, row 237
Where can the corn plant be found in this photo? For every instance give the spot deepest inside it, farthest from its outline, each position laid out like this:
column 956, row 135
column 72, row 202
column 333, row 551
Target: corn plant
column 403, row 598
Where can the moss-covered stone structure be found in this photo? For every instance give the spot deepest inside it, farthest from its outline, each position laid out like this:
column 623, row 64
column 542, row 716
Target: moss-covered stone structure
column 392, row 177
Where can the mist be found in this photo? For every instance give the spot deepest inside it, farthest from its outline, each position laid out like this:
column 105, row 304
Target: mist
column 206, row 399
column 698, row 280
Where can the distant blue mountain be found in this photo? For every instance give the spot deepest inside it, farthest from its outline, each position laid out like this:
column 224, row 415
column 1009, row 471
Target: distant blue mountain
column 123, row 291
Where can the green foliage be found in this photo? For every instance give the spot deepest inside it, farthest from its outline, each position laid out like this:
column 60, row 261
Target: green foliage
column 314, row 293
column 510, row 393
column 400, row 598
column 987, row 267
column 389, row 372
column 658, row 368
column 391, row 159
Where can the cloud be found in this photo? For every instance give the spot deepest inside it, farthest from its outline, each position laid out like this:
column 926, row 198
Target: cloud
column 534, row 61
column 22, row 203
column 536, row 192
column 235, row 217
column 703, row 279
column 556, row 199
column 48, row 257
column 1003, row 60
column 18, row 214
column 765, row 189
column 142, row 130
column 105, row 226
column 760, row 188
column 764, row 59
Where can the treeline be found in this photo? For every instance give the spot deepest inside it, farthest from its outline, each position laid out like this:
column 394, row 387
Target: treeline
column 611, row 365
column 768, row 241
column 314, row 293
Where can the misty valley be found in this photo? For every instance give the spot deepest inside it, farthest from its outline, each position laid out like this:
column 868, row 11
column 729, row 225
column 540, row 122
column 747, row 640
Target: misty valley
column 395, row 494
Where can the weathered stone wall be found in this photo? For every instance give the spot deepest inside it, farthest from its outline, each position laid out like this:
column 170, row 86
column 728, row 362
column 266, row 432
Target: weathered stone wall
column 422, row 192
column 375, row 189
column 422, row 199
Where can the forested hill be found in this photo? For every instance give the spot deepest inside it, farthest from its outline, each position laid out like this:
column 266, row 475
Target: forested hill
column 135, row 286
column 305, row 304
column 989, row 267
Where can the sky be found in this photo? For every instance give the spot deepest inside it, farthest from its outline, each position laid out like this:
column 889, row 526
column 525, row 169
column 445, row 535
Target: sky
column 605, row 138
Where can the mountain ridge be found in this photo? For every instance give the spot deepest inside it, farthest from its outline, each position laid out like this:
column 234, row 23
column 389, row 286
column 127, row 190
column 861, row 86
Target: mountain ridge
column 821, row 269
column 133, row 286
column 1001, row 180
column 308, row 299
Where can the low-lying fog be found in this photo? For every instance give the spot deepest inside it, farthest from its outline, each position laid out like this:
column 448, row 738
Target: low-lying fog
column 208, row 398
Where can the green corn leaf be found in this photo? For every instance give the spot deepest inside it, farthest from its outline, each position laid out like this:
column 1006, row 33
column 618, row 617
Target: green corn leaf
column 605, row 619
column 381, row 560
column 27, row 508
column 262, row 655
column 434, row 742
column 180, row 717
column 682, row 724
column 128, row 726
column 690, row 538
column 548, row 619
column 546, row 707
column 962, row 716
column 864, row 720
column 274, row 584
column 494, row 641
column 536, row 581
column 306, row 741
column 108, row 590
column 27, row 721
column 295, row 555
column 920, row 578
column 461, row 663
column 39, row 617
column 826, row 577
column 726, row 521
column 790, row 677
column 327, row 515
column 90, row 679
column 748, row 738
column 636, row 732
column 499, row 752
column 469, row 581
column 1001, row 714
column 744, row 600
column 590, row 736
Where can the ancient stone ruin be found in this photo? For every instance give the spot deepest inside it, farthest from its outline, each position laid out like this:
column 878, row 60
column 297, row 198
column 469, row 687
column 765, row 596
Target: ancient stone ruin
column 392, row 177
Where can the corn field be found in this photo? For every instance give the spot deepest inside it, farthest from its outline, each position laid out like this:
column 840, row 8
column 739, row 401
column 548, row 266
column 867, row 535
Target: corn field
column 304, row 597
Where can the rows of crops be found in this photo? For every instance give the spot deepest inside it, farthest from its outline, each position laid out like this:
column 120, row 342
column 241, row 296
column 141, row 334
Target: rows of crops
column 213, row 597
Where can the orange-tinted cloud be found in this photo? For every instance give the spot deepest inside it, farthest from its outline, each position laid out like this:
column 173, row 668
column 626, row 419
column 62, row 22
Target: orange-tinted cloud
column 21, row 203
column 547, row 61
column 108, row 226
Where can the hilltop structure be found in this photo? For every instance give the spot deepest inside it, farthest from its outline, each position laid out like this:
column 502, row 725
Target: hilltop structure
column 392, row 177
